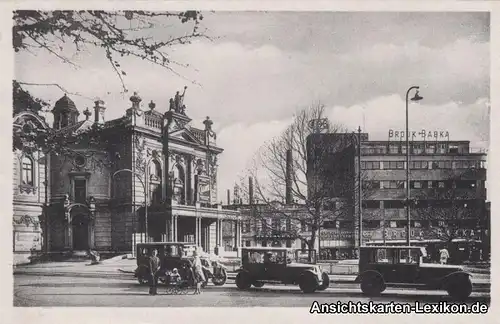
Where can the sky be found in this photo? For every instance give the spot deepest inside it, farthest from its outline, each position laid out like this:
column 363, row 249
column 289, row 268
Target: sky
column 261, row 67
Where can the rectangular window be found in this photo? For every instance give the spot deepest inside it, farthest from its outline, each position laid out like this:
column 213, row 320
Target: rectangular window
column 371, row 184
column 370, row 165
column 467, row 164
column 371, row 204
column 417, row 149
column 393, row 224
column 441, row 148
column 416, row 185
column 441, row 165
column 288, row 243
column 394, row 165
column 394, row 204
column 393, row 149
column 27, row 171
column 246, row 226
column 393, row 184
column 248, row 243
column 453, row 149
column 430, row 149
column 80, row 190
column 419, row 165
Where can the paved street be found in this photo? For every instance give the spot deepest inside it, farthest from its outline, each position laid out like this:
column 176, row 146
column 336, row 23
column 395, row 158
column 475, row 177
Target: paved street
column 32, row 290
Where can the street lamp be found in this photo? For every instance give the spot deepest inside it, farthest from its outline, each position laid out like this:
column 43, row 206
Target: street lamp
column 144, row 186
column 360, row 214
column 417, row 97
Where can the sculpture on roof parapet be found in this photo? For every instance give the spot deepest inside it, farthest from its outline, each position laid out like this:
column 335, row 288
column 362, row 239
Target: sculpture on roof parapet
column 177, row 103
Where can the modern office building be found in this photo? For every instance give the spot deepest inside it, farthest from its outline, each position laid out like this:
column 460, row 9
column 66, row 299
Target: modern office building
column 109, row 193
column 447, row 190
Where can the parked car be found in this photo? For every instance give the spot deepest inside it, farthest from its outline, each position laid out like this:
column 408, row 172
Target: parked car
column 402, row 266
column 178, row 255
column 262, row 265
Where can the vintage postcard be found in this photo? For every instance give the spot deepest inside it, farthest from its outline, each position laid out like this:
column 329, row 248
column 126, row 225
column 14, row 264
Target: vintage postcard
column 335, row 162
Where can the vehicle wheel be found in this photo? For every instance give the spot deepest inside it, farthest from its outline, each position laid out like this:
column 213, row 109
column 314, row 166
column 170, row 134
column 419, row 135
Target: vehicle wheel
column 372, row 285
column 308, row 283
column 243, row 281
column 258, row 284
column 142, row 281
column 459, row 289
column 326, row 282
column 221, row 279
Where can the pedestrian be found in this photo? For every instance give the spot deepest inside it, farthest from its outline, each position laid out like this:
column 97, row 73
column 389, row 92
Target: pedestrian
column 443, row 256
column 199, row 276
column 154, row 267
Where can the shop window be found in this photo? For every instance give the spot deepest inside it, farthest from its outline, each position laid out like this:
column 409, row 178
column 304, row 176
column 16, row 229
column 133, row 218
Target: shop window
column 393, row 224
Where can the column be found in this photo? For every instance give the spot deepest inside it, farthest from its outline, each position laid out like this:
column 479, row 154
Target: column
column 237, row 236
column 168, row 230
column 174, row 228
column 218, row 232
column 197, row 232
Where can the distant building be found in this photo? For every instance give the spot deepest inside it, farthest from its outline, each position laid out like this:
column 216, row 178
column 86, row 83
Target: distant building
column 444, row 175
column 87, row 208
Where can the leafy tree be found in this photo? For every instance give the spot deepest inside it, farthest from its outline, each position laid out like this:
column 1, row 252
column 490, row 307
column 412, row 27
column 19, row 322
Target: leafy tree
column 314, row 180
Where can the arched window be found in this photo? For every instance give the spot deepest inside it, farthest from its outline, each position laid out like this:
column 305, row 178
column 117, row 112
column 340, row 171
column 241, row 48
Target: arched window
column 27, row 171
column 155, row 194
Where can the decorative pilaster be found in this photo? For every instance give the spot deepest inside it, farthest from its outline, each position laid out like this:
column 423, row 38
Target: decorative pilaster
column 175, row 228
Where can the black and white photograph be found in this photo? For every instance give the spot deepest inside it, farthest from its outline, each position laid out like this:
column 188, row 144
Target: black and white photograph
column 331, row 160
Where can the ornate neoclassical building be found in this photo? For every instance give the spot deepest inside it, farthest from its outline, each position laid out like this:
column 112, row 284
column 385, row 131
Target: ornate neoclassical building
column 146, row 172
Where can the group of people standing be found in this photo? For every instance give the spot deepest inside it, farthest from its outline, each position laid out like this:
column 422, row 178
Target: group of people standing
column 154, row 269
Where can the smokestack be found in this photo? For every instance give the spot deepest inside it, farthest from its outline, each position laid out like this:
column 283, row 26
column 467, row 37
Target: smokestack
column 228, row 197
column 250, row 190
column 236, row 195
column 288, row 179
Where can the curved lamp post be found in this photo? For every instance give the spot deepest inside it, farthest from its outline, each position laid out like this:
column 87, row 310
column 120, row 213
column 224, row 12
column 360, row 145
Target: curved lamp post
column 417, row 97
column 144, row 187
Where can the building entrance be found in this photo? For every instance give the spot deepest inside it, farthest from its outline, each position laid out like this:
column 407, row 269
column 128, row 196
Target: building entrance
column 80, row 227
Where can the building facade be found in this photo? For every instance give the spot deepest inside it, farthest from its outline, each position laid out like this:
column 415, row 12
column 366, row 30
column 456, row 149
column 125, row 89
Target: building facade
column 145, row 176
column 447, row 193
column 30, row 190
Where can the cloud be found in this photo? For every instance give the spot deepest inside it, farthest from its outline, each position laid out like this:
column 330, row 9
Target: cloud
column 264, row 72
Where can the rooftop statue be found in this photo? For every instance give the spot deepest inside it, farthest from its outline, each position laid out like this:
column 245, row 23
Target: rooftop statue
column 177, row 104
